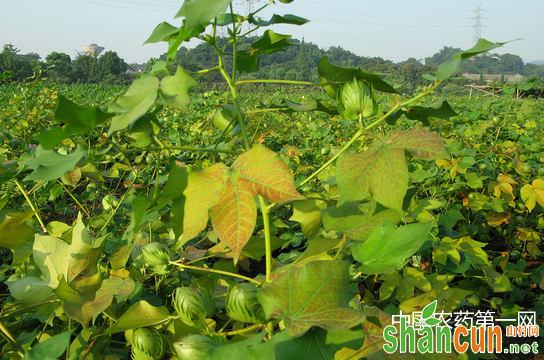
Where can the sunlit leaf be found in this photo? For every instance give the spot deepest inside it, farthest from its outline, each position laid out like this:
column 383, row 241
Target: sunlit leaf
column 382, row 170
column 199, row 12
column 141, row 314
column 50, row 165
column 448, row 69
column 355, row 223
column 533, row 193
column 228, row 194
column 279, row 19
column 388, row 247
column 76, row 120
column 336, row 76
column 315, row 294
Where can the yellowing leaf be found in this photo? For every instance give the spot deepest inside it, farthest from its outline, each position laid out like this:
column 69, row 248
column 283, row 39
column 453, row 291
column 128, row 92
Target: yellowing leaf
column 315, row 294
column 228, row 194
column 532, row 194
column 382, row 169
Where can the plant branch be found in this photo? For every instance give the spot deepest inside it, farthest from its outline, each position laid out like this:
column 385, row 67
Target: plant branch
column 241, row 331
column 221, row 272
column 31, row 206
column 184, row 148
column 267, row 241
column 296, row 82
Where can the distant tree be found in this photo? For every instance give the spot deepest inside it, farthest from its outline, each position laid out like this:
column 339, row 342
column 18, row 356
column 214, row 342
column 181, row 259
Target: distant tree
column 442, row 56
column 9, row 61
column 110, row 64
column 481, row 81
column 62, row 63
column 533, row 69
column 85, row 68
column 303, row 65
column 502, row 81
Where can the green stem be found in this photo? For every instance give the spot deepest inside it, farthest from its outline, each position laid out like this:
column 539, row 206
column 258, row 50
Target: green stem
column 296, row 82
column 116, row 208
column 94, row 340
column 241, row 331
column 240, row 116
column 183, row 148
column 221, row 272
column 340, row 246
column 267, row 240
column 8, row 335
column 331, row 160
column 31, row 206
column 72, row 196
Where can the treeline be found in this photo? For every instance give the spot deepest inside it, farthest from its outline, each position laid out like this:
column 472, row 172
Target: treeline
column 108, row 68
column 298, row 62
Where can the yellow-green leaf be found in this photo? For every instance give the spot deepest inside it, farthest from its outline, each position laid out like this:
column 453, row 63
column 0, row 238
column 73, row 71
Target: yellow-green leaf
column 228, row 194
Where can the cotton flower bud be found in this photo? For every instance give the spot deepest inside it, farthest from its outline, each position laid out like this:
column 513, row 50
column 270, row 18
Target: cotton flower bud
column 157, row 256
column 242, row 304
column 193, row 347
column 190, row 304
column 147, row 344
column 356, row 99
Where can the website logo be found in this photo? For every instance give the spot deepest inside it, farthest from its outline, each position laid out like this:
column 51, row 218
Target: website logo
column 431, row 332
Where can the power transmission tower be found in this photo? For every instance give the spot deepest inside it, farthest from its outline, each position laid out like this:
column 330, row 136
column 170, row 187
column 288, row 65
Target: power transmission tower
column 477, row 25
column 249, row 10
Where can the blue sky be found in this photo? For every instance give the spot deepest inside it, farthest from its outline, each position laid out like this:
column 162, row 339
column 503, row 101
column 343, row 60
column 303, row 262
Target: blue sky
column 392, row 29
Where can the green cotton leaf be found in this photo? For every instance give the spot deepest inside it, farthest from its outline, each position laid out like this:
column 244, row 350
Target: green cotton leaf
column 224, row 116
column 533, row 193
column 175, row 89
column 450, row 218
column 76, row 120
column 227, row 19
column 279, row 19
column 50, row 165
column 199, row 12
column 335, row 77
column 228, row 195
column 140, row 314
column 270, row 42
column 498, row 282
column 448, row 69
column 238, row 350
column 14, row 232
column 139, row 207
column 355, row 223
column 315, row 294
column 382, row 170
column 440, row 109
column 405, row 284
column 290, row 107
column 447, row 299
column 50, row 349
column 308, row 214
column 184, row 34
column 134, row 103
column 316, row 344
column 77, row 262
column 388, row 247
column 142, row 131
column 394, row 116
column 163, row 32
column 317, row 249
